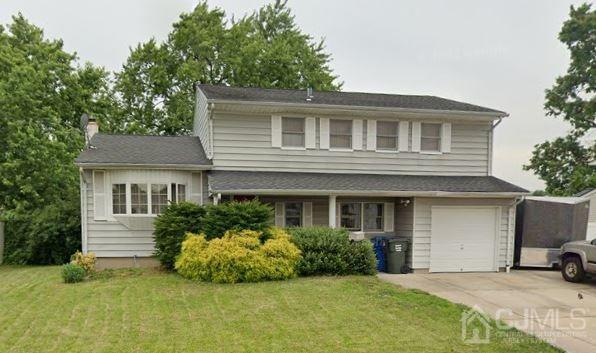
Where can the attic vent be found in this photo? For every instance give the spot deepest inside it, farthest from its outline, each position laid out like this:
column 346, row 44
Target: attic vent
column 309, row 95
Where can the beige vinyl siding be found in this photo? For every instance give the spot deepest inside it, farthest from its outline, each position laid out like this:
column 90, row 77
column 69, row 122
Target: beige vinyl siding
column 201, row 122
column 124, row 235
column 243, row 142
column 404, row 222
column 422, row 227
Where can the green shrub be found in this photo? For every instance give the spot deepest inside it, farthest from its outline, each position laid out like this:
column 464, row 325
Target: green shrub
column 171, row 227
column 239, row 256
column 247, row 215
column 327, row 251
column 72, row 273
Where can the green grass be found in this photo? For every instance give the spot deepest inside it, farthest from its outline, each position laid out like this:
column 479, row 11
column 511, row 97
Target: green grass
column 149, row 311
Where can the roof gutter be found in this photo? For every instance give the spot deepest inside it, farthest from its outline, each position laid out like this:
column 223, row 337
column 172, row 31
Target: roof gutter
column 369, row 193
column 493, row 115
column 143, row 166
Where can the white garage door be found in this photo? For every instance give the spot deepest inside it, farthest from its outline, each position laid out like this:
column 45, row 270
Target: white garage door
column 463, row 239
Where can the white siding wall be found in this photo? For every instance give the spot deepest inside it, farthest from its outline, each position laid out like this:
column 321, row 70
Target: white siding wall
column 591, row 231
column 243, row 142
column 121, row 235
column 201, row 122
column 422, row 227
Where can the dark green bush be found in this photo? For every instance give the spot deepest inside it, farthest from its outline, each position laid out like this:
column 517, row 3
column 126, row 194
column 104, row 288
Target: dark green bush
column 327, row 251
column 247, row 215
column 171, row 227
column 72, row 273
column 45, row 236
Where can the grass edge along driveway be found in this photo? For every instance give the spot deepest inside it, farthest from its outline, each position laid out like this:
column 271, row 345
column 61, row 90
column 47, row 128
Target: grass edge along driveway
column 152, row 311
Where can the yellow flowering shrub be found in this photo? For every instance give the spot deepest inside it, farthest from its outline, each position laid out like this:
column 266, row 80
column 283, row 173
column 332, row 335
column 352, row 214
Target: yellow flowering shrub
column 238, row 256
column 87, row 262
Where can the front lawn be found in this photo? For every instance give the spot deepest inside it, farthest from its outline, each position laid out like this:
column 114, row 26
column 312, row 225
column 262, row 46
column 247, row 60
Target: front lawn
column 149, row 311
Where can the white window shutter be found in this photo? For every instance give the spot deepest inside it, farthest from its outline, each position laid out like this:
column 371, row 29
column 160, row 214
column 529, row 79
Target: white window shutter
column 371, row 135
column 99, row 195
column 388, row 210
column 446, row 138
column 324, row 134
column 416, row 136
column 338, row 215
column 307, row 214
column 357, row 134
column 275, row 131
column 280, row 214
column 404, row 132
column 196, row 188
column 310, row 132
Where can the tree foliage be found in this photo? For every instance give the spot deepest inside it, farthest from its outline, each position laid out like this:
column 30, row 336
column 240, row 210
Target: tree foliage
column 155, row 88
column 564, row 164
column 43, row 92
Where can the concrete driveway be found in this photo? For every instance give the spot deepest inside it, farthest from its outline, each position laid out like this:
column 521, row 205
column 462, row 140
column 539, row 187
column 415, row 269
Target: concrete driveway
column 538, row 302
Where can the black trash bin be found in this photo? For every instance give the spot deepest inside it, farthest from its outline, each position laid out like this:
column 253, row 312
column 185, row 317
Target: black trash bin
column 396, row 255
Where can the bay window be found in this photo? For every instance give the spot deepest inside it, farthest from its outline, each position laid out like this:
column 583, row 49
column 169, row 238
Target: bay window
column 138, row 199
column 119, row 198
column 159, row 198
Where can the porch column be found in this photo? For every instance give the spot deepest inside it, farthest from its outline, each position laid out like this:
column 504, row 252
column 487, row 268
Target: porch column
column 332, row 211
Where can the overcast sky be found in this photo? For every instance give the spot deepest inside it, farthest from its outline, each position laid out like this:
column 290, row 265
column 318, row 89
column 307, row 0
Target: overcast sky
column 500, row 54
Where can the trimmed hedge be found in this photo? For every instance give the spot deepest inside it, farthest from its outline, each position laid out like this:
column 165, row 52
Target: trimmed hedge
column 171, row 227
column 72, row 273
column 246, row 215
column 328, row 251
column 239, row 256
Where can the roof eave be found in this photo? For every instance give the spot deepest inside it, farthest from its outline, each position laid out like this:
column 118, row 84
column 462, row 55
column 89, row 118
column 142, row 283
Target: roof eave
column 380, row 193
column 97, row 165
column 491, row 115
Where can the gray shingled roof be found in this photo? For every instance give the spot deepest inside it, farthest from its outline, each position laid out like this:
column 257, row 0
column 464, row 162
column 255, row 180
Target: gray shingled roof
column 144, row 150
column 583, row 192
column 376, row 100
column 222, row 181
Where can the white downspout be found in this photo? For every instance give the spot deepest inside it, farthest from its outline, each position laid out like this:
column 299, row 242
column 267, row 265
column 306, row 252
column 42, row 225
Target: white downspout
column 83, row 186
column 511, row 231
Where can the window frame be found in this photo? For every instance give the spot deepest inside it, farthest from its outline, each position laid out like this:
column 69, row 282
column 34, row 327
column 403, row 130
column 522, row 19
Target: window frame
column 350, row 139
column 300, row 215
column 396, row 137
column 147, row 201
column 120, row 199
column 362, row 223
column 156, row 196
column 303, row 133
column 439, row 138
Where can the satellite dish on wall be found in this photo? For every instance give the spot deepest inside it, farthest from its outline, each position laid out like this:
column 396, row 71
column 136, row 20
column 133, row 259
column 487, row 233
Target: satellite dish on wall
column 84, row 121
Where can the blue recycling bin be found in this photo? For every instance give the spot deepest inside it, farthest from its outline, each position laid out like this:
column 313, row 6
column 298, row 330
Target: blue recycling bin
column 380, row 248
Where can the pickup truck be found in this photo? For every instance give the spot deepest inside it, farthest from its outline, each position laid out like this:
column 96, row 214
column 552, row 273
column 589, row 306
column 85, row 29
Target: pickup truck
column 576, row 259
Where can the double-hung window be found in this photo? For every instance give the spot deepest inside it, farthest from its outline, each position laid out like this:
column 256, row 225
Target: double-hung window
column 387, row 134
column 358, row 216
column 119, row 199
column 430, row 137
column 138, row 199
column 159, row 198
column 340, row 134
column 293, row 214
column 292, row 132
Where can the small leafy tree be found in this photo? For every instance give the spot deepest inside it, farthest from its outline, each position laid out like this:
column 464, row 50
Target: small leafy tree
column 564, row 163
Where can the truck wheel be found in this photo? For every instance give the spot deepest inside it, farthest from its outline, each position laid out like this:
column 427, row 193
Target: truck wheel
column 572, row 269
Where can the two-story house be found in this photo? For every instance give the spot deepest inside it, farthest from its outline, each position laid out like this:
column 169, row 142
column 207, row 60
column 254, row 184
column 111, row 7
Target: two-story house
column 376, row 164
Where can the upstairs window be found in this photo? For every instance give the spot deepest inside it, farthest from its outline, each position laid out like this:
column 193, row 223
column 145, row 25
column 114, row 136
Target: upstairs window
column 138, row 199
column 430, row 137
column 340, row 134
column 293, row 214
column 387, row 134
column 119, row 199
column 292, row 132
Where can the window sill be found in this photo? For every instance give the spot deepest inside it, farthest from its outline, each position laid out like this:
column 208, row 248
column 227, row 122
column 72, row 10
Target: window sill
column 387, row 151
column 431, row 152
column 293, row 148
column 335, row 149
